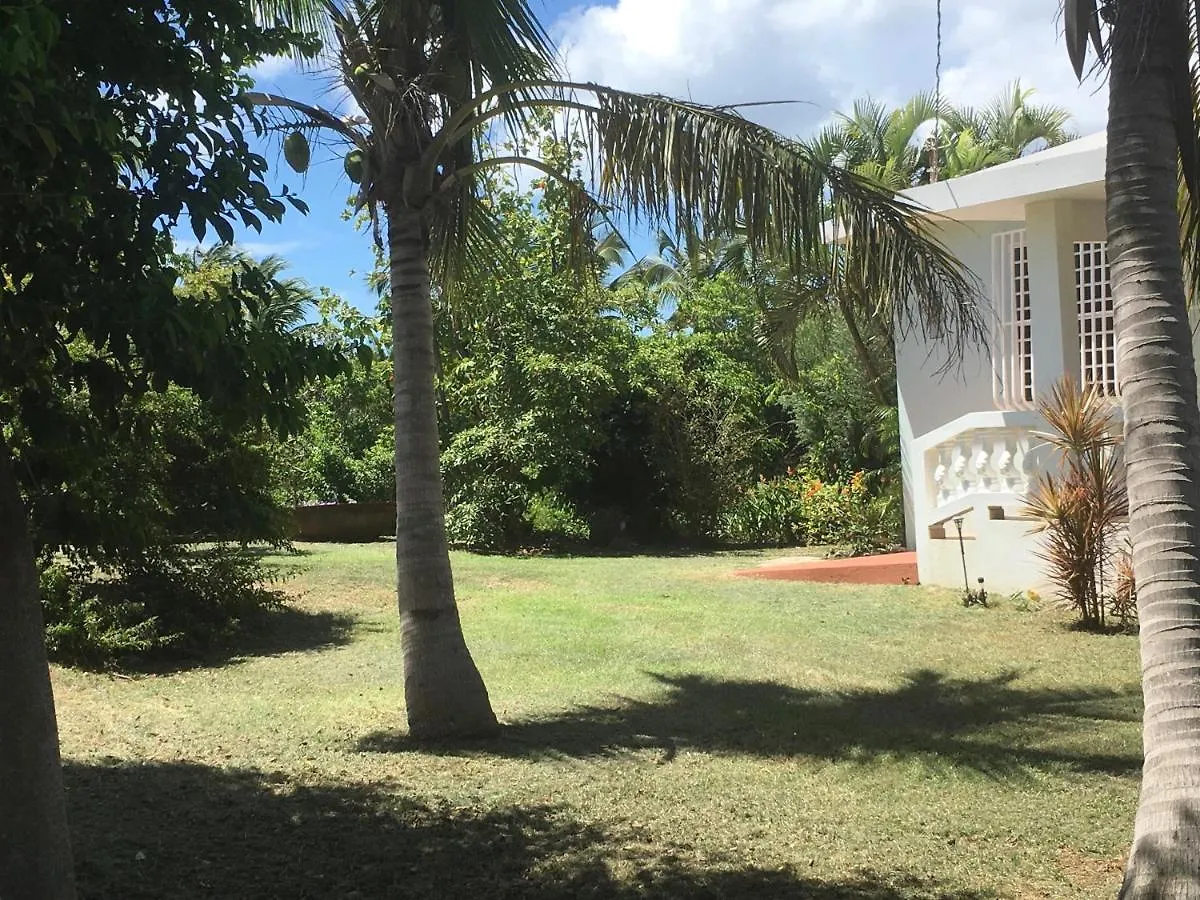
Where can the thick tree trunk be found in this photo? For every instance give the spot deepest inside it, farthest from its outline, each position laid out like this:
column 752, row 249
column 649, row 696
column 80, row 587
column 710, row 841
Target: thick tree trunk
column 35, row 845
column 1162, row 442
column 443, row 689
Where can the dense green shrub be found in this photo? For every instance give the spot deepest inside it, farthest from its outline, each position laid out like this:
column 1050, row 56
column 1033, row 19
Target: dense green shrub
column 490, row 515
column 799, row 510
column 710, row 427
column 346, row 450
column 555, row 521
column 841, row 424
column 174, row 602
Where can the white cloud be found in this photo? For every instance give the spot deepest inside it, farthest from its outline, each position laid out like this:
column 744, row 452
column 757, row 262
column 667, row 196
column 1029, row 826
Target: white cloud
column 825, row 53
column 259, row 249
column 273, row 67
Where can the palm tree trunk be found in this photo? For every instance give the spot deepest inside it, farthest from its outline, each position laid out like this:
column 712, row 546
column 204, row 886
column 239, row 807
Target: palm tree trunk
column 443, row 690
column 881, row 387
column 35, row 845
column 1162, row 442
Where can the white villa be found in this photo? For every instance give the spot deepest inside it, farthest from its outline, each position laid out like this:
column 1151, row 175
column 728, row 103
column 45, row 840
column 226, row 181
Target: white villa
column 1033, row 231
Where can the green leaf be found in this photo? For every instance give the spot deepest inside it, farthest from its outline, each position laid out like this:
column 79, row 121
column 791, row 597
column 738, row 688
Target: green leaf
column 47, row 139
column 223, row 228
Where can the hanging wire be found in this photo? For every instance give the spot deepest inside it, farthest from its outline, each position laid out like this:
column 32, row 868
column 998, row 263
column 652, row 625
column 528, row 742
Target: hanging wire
column 934, row 149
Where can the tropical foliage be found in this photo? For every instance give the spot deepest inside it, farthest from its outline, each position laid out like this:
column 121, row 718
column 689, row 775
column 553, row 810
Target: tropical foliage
column 113, row 525
column 434, row 78
column 1081, row 507
column 118, row 122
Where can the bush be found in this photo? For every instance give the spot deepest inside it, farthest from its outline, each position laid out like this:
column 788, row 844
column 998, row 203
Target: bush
column 555, row 521
column 490, row 515
column 1081, row 508
column 170, row 603
column 798, row 510
column 1123, row 603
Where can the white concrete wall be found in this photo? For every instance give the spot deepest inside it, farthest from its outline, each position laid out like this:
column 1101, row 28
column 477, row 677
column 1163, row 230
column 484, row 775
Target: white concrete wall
column 929, row 400
column 935, row 409
column 1052, row 228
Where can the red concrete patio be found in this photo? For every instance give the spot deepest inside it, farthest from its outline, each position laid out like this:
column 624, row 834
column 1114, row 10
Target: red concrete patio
column 888, row 568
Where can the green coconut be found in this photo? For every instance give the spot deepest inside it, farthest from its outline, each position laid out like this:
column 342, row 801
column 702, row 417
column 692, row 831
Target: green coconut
column 296, row 152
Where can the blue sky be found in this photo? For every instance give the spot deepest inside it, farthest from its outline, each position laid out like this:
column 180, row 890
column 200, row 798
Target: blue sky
column 823, row 52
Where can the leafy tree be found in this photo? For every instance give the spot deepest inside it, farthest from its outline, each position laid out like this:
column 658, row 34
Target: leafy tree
column 839, row 421
column 117, row 120
column 1153, row 136
column 531, row 367
column 711, row 426
column 431, row 77
column 169, row 465
column 345, row 450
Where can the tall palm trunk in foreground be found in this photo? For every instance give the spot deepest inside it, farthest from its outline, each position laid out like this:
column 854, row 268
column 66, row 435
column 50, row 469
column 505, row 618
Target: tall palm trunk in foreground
column 35, row 847
column 443, row 690
column 1162, row 438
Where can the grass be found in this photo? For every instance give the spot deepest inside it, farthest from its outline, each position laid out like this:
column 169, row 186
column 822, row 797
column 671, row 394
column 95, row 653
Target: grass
column 673, row 733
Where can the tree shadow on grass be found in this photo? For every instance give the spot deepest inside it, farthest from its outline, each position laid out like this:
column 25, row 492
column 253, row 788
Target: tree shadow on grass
column 991, row 724
column 275, row 632
column 187, row 831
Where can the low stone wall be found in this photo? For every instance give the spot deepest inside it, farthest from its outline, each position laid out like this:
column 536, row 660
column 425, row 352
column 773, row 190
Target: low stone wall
column 344, row 522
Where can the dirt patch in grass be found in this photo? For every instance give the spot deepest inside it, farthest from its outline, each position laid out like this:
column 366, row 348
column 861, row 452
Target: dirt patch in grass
column 1091, row 873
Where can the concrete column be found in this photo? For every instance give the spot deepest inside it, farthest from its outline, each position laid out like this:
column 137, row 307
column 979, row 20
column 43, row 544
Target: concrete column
column 1052, row 228
column 1052, row 294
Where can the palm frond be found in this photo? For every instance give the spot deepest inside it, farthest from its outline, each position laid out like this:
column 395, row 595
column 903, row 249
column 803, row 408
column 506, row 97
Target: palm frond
column 611, row 247
column 503, row 39
column 1081, row 23
column 650, row 271
column 904, row 123
column 1079, row 418
column 465, row 238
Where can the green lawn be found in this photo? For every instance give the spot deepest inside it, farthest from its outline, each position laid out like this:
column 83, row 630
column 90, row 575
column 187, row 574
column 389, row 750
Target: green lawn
column 673, row 732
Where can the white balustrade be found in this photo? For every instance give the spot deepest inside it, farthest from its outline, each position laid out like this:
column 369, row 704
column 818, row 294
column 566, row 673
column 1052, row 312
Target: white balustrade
column 980, row 461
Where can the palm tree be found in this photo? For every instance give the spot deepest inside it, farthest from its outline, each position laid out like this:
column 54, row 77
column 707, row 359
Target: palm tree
column 886, row 147
column 883, row 144
column 283, row 304
column 1008, row 127
column 431, row 78
column 681, row 265
column 1152, row 138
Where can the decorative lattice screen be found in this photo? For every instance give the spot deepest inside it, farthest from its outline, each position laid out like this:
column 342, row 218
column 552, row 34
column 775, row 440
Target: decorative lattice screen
column 1012, row 340
column 1097, row 334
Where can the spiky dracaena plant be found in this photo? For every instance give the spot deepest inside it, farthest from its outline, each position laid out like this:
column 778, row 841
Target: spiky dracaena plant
column 1081, row 507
